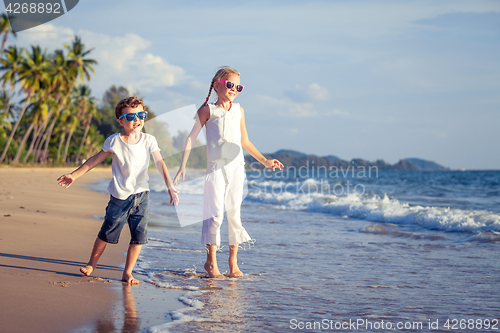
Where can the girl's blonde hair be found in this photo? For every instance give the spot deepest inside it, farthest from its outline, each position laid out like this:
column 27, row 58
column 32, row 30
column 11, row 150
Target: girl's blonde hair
column 221, row 73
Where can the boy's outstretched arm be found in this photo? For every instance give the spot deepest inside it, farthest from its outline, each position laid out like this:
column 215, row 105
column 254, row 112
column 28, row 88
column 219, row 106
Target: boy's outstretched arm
column 162, row 168
column 68, row 179
column 250, row 148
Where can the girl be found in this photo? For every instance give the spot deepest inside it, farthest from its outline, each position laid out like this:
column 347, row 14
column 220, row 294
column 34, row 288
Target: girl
column 225, row 176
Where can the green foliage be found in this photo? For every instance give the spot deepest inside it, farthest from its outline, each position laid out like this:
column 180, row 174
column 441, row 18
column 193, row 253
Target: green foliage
column 12, row 148
column 57, row 119
column 198, row 155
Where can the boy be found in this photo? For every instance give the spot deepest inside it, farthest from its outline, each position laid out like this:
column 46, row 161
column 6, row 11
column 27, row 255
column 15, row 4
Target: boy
column 129, row 187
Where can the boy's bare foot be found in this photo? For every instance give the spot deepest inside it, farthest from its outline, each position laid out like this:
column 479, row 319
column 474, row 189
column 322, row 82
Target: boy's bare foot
column 212, row 270
column 234, row 271
column 130, row 279
column 87, row 270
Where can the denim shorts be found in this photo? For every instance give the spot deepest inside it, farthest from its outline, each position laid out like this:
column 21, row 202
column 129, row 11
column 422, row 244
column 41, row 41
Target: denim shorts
column 134, row 210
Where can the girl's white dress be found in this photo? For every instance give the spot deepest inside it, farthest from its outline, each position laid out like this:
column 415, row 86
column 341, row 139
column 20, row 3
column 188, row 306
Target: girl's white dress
column 225, row 176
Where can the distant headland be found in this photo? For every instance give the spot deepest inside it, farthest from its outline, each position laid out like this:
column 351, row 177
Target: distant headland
column 292, row 158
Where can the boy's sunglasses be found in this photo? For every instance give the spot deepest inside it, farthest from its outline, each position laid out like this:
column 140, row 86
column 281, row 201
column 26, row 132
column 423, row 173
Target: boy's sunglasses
column 131, row 116
column 230, row 85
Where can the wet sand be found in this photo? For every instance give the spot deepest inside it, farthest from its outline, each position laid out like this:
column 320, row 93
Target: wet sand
column 46, row 234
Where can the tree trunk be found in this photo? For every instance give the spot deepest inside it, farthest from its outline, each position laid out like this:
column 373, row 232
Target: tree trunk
column 23, row 142
column 47, row 136
column 10, row 98
column 48, row 133
column 65, row 155
column 34, row 140
column 9, row 140
column 41, row 135
column 61, row 141
column 89, row 122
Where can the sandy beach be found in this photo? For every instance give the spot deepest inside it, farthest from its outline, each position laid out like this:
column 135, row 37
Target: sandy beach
column 46, row 234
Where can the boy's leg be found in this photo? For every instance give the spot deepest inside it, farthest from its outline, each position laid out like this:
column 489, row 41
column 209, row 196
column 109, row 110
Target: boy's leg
column 97, row 250
column 211, row 263
column 234, row 271
column 132, row 254
column 114, row 220
column 138, row 223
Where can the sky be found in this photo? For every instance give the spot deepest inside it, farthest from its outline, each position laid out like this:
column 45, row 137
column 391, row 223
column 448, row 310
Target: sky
column 355, row 79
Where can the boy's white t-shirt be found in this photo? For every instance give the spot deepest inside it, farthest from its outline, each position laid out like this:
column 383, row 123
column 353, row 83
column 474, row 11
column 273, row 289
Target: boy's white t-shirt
column 130, row 164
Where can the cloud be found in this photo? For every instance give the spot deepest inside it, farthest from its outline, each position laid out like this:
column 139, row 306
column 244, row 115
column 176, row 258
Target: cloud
column 286, row 107
column 46, row 35
column 337, row 112
column 312, row 93
column 123, row 60
column 317, row 93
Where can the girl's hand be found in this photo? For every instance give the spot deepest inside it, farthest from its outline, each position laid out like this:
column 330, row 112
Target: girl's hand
column 66, row 180
column 174, row 198
column 180, row 175
column 273, row 164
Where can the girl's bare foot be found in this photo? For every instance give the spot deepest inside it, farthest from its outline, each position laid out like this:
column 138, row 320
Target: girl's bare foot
column 130, row 279
column 212, row 270
column 234, row 271
column 87, row 270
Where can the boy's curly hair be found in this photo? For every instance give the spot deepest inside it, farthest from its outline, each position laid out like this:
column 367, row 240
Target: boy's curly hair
column 131, row 102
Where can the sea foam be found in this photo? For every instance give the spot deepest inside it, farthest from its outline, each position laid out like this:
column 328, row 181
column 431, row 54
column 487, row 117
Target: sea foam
column 380, row 209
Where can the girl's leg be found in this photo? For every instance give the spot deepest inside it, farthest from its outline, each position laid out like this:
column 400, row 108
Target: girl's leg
column 233, row 262
column 97, row 250
column 213, row 206
column 211, row 263
column 234, row 197
column 236, row 232
column 213, row 214
column 132, row 254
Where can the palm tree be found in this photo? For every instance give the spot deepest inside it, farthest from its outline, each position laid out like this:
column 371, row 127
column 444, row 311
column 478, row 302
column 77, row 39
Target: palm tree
column 46, row 109
column 60, row 130
column 81, row 97
column 94, row 140
column 5, row 29
column 37, row 115
column 91, row 111
column 11, row 64
column 83, row 66
column 33, row 76
column 4, row 124
column 63, row 77
column 63, row 102
column 71, row 124
column 76, row 55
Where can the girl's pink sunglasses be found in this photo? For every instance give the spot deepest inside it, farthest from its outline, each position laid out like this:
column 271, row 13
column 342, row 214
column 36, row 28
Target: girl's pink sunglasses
column 230, row 85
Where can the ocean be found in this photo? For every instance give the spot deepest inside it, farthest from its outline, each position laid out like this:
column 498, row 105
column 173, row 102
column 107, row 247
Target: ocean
column 335, row 250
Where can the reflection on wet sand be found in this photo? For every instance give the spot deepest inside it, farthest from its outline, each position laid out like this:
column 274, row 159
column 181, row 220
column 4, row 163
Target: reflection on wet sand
column 131, row 322
column 139, row 307
column 127, row 319
column 223, row 307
